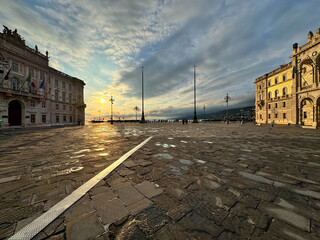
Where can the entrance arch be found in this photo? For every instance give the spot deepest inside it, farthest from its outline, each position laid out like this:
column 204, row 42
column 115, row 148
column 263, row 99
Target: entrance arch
column 15, row 115
column 307, row 112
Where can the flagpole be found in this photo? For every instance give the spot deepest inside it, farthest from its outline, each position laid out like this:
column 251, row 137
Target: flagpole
column 23, row 84
column 5, row 76
column 39, row 86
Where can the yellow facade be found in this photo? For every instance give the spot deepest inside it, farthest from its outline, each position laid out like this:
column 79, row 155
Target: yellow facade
column 284, row 99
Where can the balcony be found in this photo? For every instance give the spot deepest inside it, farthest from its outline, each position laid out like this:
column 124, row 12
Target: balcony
column 11, row 92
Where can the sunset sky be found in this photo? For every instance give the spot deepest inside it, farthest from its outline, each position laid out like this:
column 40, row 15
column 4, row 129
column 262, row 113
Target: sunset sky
column 106, row 42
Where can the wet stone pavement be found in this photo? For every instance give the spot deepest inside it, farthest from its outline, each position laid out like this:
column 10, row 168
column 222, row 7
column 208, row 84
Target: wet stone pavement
column 195, row 181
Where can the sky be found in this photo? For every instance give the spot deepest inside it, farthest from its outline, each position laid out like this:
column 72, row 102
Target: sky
column 106, row 42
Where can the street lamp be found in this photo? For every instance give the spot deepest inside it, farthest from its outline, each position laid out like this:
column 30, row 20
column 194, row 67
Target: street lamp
column 111, row 102
column 142, row 115
column 227, row 98
column 195, row 120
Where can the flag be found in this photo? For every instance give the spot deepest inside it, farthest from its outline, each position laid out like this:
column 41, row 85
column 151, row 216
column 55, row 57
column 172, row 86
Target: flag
column 33, row 85
column 7, row 75
column 294, row 70
column 41, row 87
column 28, row 79
column 42, row 84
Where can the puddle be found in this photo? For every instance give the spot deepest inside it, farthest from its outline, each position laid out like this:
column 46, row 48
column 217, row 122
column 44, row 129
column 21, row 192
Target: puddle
column 170, row 138
column 245, row 150
column 183, row 141
column 200, row 161
column 207, row 142
column 185, row 161
column 82, row 151
column 164, row 155
column 75, row 169
column 173, row 146
column 99, row 149
column 175, row 170
column 165, row 145
column 103, row 154
column 67, row 171
column 77, row 156
column 157, row 144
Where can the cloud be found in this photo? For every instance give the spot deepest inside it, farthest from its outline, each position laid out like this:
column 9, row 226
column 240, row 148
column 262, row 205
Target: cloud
column 105, row 43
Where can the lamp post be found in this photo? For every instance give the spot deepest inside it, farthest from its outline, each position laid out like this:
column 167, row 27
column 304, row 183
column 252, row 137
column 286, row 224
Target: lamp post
column 136, row 108
column 142, row 115
column 195, row 120
column 227, row 98
column 111, row 102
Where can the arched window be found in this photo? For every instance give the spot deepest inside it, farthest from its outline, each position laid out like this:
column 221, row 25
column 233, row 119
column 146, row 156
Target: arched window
column 269, row 95
column 276, row 93
column 284, row 91
column 15, row 84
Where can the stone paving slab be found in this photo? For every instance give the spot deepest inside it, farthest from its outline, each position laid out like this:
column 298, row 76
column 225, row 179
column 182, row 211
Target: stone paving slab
column 202, row 181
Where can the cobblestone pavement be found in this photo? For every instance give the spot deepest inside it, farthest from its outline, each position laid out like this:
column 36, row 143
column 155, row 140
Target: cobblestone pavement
column 195, row 181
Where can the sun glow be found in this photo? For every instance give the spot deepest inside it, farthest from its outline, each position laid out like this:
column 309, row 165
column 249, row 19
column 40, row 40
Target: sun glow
column 102, row 100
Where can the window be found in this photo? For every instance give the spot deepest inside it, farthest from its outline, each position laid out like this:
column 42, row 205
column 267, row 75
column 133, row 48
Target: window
column 56, row 82
column 63, row 97
column 269, row 83
column 57, row 106
column 70, row 118
column 33, row 118
column 70, row 108
column 269, row 106
column 284, row 91
column 269, row 95
column 276, row 115
column 31, row 72
column 15, row 84
column 64, row 107
column 276, row 105
column 32, row 103
column 284, row 77
column 63, row 85
column 269, row 116
column 304, row 114
column 284, row 115
column 284, row 104
column 69, row 86
column 43, row 104
column 42, row 76
column 15, row 67
column 70, row 98
column 260, row 97
column 304, row 70
column 260, row 116
column 57, row 119
column 56, row 96
column 64, row 118
column 44, row 118
column 276, row 80
column 276, row 93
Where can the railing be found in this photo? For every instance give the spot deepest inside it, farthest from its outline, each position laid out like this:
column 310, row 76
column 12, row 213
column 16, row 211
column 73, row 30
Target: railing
column 304, row 46
column 21, row 93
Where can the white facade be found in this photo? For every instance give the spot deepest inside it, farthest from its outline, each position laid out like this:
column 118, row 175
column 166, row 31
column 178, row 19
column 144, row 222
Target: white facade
column 24, row 103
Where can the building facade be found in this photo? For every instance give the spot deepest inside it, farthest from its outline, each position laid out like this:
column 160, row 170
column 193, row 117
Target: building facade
column 290, row 94
column 31, row 92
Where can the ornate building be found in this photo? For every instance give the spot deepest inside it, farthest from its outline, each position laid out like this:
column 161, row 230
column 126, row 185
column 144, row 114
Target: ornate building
column 290, row 94
column 31, row 92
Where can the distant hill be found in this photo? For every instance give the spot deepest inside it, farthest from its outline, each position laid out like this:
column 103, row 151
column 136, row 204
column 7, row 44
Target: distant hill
column 246, row 113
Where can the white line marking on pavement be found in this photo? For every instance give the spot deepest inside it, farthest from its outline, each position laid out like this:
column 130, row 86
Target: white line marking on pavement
column 33, row 228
